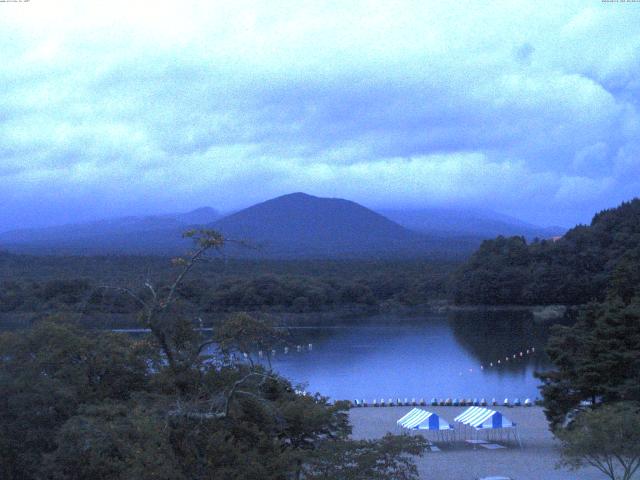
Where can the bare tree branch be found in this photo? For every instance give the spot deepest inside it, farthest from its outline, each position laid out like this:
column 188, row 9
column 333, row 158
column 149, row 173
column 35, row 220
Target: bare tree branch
column 128, row 292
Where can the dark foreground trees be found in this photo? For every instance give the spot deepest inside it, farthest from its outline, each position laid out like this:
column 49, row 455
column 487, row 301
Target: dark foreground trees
column 174, row 404
column 592, row 397
column 607, row 438
column 597, row 360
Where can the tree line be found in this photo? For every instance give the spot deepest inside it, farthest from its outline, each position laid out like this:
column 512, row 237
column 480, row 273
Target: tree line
column 582, row 266
column 216, row 286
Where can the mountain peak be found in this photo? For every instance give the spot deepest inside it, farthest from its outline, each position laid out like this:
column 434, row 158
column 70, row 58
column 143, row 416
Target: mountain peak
column 203, row 210
column 296, row 196
column 299, row 194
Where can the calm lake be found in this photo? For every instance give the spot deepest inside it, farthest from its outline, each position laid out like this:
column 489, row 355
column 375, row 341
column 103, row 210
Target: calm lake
column 424, row 356
column 417, row 355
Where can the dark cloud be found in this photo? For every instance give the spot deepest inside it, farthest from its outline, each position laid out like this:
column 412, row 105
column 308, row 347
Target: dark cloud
column 524, row 53
column 108, row 110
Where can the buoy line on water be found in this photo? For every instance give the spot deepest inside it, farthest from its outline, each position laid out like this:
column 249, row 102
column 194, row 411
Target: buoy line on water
column 522, row 354
column 438, row 402
column 286, row 350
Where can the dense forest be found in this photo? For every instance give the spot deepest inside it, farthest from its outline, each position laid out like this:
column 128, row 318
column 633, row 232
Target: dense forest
column 83, row 284
column 575, row 269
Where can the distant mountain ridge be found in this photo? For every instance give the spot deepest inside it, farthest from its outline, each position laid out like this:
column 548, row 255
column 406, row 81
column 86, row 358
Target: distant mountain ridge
column 127, row 235
column 290, row 226
column 475, row 222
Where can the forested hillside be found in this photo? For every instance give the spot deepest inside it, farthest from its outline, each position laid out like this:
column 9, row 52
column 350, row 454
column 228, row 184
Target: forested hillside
column 575, row 269
column 30, row 284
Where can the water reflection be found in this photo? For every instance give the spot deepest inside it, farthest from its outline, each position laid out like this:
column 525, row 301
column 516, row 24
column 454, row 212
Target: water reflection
column 497, row 335
column 433, row 355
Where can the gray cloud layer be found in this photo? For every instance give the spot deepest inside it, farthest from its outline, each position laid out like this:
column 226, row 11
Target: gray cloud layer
column 122, row 108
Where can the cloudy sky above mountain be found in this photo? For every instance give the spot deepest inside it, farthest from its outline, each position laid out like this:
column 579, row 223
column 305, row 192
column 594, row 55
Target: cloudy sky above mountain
column 133, row 107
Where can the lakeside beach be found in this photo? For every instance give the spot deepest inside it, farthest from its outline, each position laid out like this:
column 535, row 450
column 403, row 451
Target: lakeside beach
column 535, row 461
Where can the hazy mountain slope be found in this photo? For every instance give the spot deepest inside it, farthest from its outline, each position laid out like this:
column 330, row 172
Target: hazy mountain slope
column 199, row 216
column 482, row 223
column 303, row 225
column 291, row 226
column 130, row 235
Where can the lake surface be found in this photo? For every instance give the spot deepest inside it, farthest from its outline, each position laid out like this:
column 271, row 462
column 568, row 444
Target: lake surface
column 421, row 356
column 427, row 356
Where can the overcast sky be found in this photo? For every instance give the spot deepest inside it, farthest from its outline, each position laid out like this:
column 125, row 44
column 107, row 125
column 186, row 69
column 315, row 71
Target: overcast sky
column 134, row 107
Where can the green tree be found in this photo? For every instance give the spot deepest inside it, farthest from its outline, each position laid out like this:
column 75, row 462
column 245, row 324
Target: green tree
column 607, row 438
column 586, row 264
column 597, row 360
column 46, row 374
column 625, row 278
column 386, row 459
column 113, row 441
column 241, row 334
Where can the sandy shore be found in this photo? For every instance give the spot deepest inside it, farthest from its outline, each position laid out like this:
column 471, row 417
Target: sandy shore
column 535, row 461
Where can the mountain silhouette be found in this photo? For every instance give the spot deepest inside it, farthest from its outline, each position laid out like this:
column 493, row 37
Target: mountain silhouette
column 296, row 225
column 299, row 224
